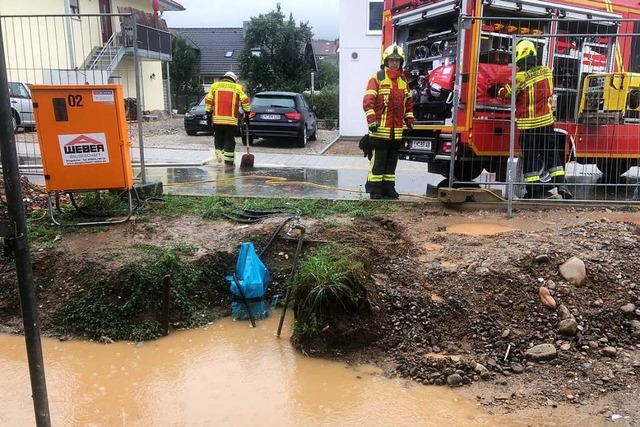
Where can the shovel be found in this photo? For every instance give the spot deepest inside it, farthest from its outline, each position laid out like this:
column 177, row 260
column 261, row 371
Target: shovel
column 246, row 162
column 247, row 159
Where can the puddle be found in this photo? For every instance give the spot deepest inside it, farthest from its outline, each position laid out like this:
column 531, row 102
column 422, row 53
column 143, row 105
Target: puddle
column 478, row 229
column 227, row 374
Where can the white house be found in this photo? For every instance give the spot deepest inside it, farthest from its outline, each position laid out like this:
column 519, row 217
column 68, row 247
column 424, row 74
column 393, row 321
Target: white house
column 360, row 55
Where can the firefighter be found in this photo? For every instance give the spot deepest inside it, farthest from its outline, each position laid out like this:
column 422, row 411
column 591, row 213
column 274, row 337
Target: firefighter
column 388, row 108
column 538, row 142
column 222, row 105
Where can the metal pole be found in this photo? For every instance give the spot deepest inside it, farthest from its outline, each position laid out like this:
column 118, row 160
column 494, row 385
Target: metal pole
column 291, row 277
column 169, row 90
column 166, row 303
column 512, row 178
column 18, row 241
column 69, row 31
column 136, row 68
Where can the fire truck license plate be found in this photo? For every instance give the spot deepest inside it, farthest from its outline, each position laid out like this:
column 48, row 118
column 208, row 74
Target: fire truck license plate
column 425, row 145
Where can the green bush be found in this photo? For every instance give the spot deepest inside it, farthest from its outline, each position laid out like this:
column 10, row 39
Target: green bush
column 325, row 101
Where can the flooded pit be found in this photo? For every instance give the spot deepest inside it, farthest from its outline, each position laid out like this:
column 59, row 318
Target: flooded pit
column 478, row 229
column 226, row 374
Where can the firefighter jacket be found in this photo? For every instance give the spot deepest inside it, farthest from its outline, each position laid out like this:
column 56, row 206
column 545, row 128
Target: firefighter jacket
column 388, row 102
column 223, row 101
column 534, row 91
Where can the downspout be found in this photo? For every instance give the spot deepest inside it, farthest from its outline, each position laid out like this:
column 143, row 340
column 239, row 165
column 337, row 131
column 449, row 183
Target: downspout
column 67, row 21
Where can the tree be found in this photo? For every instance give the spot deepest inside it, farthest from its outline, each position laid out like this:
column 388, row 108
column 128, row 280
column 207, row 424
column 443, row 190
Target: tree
column 185, row 77
column 274, row 56
column 326, row 75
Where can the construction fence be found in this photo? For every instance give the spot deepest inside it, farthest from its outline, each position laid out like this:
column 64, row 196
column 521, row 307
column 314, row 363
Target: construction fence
column 459, row 79
column 92, row 49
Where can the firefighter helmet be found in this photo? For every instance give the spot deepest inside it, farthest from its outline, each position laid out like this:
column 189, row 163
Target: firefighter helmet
column 393, row 52
column 231, row 76
column 525, row 49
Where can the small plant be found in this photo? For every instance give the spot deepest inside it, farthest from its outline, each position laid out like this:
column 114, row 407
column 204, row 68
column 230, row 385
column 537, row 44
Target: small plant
column 331, row 279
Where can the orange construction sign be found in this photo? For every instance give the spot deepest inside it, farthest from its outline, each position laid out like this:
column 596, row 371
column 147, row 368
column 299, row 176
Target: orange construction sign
column 82, row 133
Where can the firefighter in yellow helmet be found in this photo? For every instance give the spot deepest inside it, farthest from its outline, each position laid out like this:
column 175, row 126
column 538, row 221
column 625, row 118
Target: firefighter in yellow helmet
column 388, row 108
column 538, row 141
column 221, row 105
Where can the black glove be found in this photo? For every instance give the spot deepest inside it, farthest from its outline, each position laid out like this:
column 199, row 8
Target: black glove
column 409, row 124
column 209, row 118
column 373, row 126
column 493, row 90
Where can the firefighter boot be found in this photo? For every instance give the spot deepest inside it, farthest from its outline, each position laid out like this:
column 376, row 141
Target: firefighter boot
column 212, row 159
column 535, row 190
column 219, row 155
column 389, row 191
column 563, row 190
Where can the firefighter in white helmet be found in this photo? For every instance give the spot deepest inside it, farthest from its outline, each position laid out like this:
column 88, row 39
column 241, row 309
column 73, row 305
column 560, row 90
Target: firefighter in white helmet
column 222, row 105
column 388, row 107
column 538, row 141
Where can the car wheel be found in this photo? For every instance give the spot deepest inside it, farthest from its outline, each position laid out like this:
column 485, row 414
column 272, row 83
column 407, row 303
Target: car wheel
column 192, row 132
column 314, row 134
column 302, row 139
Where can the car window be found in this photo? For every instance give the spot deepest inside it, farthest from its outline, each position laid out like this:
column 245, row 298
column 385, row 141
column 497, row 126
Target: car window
column 17, row 90
column 202, row 101
column 273, row 101
column 302, row 102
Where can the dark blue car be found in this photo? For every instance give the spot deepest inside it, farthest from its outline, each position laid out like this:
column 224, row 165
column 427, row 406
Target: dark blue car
column 282, row 115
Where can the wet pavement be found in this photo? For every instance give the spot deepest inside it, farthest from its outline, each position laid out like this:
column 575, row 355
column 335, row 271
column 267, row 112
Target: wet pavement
column 316, row 176
column 276, row 175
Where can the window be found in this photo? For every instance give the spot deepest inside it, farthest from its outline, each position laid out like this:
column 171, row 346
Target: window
column 74, row 7
column 375, row 17
column 229, row 54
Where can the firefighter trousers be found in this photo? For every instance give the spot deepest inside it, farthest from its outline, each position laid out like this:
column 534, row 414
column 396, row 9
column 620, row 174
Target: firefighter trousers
column 541, row 152
column 381, row 178
column 225, row 142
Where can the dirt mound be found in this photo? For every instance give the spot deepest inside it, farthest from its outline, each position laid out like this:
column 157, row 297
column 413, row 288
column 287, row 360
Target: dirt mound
column 456, row 309
column 34, row 197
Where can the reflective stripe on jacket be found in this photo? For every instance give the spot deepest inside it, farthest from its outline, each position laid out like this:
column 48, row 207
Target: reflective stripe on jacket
column 225, row 97
column 387, row 102
column 534, row 91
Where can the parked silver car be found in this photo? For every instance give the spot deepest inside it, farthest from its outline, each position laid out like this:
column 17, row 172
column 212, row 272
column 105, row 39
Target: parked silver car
column 21, row 106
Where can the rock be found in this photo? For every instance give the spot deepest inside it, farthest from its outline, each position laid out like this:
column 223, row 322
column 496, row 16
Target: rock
column 568, row 327
column 454, row 380
column 541, row 352
column 545, row 298
column 542, row 258
column 564, row 313
column 565, row 347
column 517, row 368
column 628, row 308
column 574, row 271
column 609, row 351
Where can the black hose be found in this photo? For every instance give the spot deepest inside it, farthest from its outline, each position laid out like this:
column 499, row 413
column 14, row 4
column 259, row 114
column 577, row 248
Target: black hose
column 244, row 299
column 275, row 234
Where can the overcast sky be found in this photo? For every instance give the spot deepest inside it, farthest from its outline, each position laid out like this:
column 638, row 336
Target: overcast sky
column 322, row 15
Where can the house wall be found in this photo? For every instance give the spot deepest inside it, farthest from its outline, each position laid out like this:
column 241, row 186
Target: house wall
column 354, row 73
column 37, row 49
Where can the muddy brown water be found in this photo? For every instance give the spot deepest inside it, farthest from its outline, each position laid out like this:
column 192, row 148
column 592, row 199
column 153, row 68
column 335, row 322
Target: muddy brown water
column 226, row 374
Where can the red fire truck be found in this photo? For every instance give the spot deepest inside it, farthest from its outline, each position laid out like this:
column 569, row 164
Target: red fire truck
column 456, row 49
